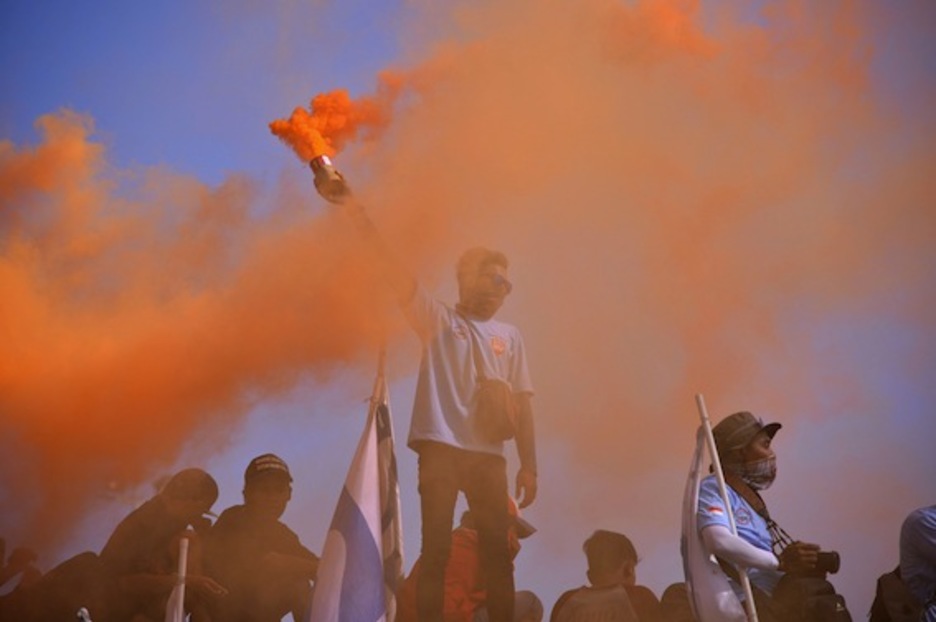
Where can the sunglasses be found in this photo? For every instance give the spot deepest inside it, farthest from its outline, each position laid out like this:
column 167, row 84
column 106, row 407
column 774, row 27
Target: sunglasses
column 500, row 281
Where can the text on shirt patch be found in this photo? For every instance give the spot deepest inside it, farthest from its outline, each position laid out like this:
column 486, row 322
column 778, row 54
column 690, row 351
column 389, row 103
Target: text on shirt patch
column 743, row 516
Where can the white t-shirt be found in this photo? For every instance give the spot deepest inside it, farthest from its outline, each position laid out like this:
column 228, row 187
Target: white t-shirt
column 446, row 384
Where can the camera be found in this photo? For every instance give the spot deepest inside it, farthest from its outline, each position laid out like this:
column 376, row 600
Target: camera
column 828, row 562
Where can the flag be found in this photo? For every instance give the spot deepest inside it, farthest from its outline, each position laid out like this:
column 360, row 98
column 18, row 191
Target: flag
column 710, row 593
column 362, row 562
column 175, row 606
column 390, row 520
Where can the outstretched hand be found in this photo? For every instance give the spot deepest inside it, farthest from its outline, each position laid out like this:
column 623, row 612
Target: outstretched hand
column 526, row 488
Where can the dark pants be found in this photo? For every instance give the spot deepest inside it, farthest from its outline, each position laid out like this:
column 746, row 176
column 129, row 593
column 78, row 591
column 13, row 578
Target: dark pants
column 443, row 472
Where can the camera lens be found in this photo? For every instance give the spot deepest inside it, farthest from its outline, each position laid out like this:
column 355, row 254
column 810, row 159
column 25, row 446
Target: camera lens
column 828, row 561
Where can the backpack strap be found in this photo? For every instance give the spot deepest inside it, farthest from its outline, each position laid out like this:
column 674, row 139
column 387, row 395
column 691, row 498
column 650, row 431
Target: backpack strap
column 779, row 538
column 747, row 493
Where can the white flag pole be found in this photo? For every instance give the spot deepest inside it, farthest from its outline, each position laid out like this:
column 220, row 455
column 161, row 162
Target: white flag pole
column 380, row 381
column 723, row 489
column 175, row 607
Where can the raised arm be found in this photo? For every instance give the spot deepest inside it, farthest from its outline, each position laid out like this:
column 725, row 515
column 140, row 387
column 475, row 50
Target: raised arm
column 334, row 188
column 399, row 279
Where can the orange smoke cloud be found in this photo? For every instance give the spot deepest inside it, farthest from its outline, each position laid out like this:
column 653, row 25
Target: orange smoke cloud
column 653, row 31
column 334, row 118
column 690, row 203
column 136, row 315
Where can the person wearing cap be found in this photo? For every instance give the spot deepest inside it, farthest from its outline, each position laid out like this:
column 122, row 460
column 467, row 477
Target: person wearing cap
column 261, row 561
column 612, row 594
column 465, row 596
column 749, row 463
column 462, row 346
column 141, row 555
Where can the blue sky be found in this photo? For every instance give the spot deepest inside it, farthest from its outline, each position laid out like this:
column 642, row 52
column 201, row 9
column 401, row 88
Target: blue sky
column 134, row 67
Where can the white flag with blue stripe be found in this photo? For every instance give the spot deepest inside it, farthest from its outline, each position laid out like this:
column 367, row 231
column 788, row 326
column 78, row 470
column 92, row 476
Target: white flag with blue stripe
column 362, row 560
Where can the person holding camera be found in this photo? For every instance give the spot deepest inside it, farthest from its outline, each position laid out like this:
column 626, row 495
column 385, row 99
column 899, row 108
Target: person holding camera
column 787, row 577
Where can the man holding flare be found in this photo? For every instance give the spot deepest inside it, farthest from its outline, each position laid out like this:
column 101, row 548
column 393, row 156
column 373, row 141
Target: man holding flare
column 463, row 347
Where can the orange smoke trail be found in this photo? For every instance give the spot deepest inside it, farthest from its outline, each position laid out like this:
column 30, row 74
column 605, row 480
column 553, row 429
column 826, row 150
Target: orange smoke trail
column 334, row 118
column 655, row 30
column 132, row 320
column 723, row 209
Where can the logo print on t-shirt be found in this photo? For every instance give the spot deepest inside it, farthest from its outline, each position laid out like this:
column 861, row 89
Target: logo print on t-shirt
column 498, row 345
column 743, row 516
column 459, row 331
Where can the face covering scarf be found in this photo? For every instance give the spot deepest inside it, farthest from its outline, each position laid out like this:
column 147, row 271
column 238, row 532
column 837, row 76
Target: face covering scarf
column 759, row 475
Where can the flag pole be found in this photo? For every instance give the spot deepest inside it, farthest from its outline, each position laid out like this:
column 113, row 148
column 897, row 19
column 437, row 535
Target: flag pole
column 175, row 607
column 392, row 538
column 380, row 379
column 723, row 489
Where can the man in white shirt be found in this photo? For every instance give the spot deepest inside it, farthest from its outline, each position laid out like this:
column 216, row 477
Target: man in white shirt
column 462, row 344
